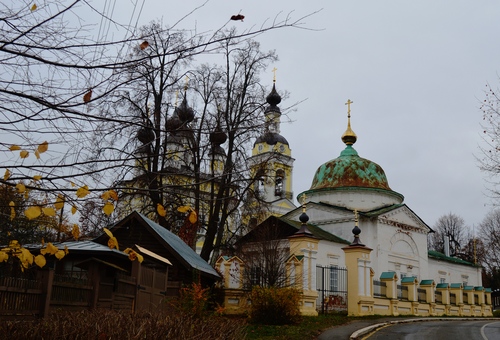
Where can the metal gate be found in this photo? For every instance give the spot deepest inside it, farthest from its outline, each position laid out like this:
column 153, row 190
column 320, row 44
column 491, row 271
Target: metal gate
column 331, row 284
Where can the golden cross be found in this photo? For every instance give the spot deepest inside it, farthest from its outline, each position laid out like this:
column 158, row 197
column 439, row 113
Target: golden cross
column 187, row 81
column 355, row 217
column 349, row 102
column 176, row 97
column 274, row 74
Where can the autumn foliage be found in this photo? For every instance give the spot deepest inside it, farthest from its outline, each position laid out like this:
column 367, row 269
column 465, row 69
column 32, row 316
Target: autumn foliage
column 275, row 306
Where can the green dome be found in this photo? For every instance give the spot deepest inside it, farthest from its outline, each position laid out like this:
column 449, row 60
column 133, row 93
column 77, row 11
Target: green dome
column 350, row 170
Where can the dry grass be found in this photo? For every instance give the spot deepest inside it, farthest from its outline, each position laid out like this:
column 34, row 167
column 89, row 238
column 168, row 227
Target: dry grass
column 108, row 324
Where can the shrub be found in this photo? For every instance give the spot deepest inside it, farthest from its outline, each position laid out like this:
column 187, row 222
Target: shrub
column 194, row 299
column 496, row 313
column 275, row 306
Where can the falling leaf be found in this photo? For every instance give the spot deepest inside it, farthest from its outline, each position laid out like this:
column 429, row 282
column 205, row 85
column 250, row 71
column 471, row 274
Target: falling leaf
column 143, row 45
column 24, row 154
column 12, row 212
column 109, row 233
column 193, row 217
column 49, row 211
column 37, row 177
column 66, row 250
column 37, row 154
column 87, row 96
column 14, row 244
column 75, row 232
column 73, row 210
column 238, row 17
column 33, row 8
column 161, row 210
column 59, row 202
column 6, row 175
column 110, row 194
column 108, row 208
column 82, row 191
column 40, row 261
column 14, row 147
column 43, row 147
column 33, row 212
column 133, row 255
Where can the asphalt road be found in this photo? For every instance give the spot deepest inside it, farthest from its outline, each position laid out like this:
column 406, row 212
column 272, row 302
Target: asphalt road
column 438, row 330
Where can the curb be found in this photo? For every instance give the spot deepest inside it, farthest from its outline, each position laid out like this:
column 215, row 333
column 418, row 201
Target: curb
column 363, row 331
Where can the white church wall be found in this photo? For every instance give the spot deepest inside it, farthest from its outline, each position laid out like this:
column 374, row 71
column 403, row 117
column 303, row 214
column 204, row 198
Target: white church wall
column 362, row 200
column 330, row 254
column 447, row 272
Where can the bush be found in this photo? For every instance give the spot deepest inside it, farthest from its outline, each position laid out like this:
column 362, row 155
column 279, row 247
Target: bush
column 109, row 324
column 496, row 313
column 194, row 299
column 275, row 306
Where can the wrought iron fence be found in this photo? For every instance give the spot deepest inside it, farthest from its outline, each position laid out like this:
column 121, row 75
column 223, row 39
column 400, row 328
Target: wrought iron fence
column 331, row 284
column 379, row 289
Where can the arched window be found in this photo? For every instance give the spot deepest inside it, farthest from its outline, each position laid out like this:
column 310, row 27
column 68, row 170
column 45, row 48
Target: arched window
column 278, row 182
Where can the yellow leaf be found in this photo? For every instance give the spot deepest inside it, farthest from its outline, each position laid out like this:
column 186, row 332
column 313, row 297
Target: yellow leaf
column 43, row 147
column 113, row 194
column 108, row 208
column 27, row 256
column 3, row 256
column 59, row 202
column 24, row 154
column 37, row 154
column 184, row 209
column 140, row 258
column 20, row 188
column 49, row 211
column 59, row 254
column 113, row 243
column 110, row 194
column 73, row 210
column 82, row 191
column 193, row 217
column 37, row 177
column 66, row 250
column 14, row 147
column 33, row 8
column 14, row 244
column 12, row 204
column 12, row 213
column 73, row 184
column 33, row 212
column 109, row 233
column 40, row 261
column 161, row 210
column 75, row 232
column 6, row 175
column 50, row 249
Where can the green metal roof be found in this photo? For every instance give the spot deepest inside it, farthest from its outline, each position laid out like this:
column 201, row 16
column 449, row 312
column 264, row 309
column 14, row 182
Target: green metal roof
column 468, row 288
column 443, row 285
column 178, row 245
column 426, row 282
column 387, row 275
column 408, row 279
column 479, row 288
column 441, row 256
column 456, row 285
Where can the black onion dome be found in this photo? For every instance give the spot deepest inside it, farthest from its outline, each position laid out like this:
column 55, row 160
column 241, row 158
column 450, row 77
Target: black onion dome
column 271, row 138
column 174, row 122
column 146, row 135
column 218, row 137
column 273, row 98
column 185, row 113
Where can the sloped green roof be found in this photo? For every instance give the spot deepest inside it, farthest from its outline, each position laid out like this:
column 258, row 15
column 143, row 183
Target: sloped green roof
column 467, row 288
column 440, row 256
column 179, row 246
column 387, row 275
column 426, row 282
column 442, row 285
column 408, row 279
column 316, row 231
column 455, row 285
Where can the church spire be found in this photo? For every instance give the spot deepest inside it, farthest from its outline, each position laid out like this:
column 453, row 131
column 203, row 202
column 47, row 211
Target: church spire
column 349, row 137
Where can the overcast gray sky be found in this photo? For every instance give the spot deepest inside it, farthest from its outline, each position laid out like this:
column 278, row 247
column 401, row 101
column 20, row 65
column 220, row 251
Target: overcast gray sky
column 416, row 72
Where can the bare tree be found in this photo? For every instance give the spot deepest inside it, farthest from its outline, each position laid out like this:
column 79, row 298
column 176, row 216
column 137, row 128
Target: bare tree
column 453, row 228
column 61, row 86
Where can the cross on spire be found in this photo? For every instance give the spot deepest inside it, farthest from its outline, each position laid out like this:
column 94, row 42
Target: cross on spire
column 349, row 102
column 274, row 74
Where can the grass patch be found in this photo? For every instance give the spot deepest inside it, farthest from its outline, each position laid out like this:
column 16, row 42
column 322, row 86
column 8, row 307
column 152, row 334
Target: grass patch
column 308, row 328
